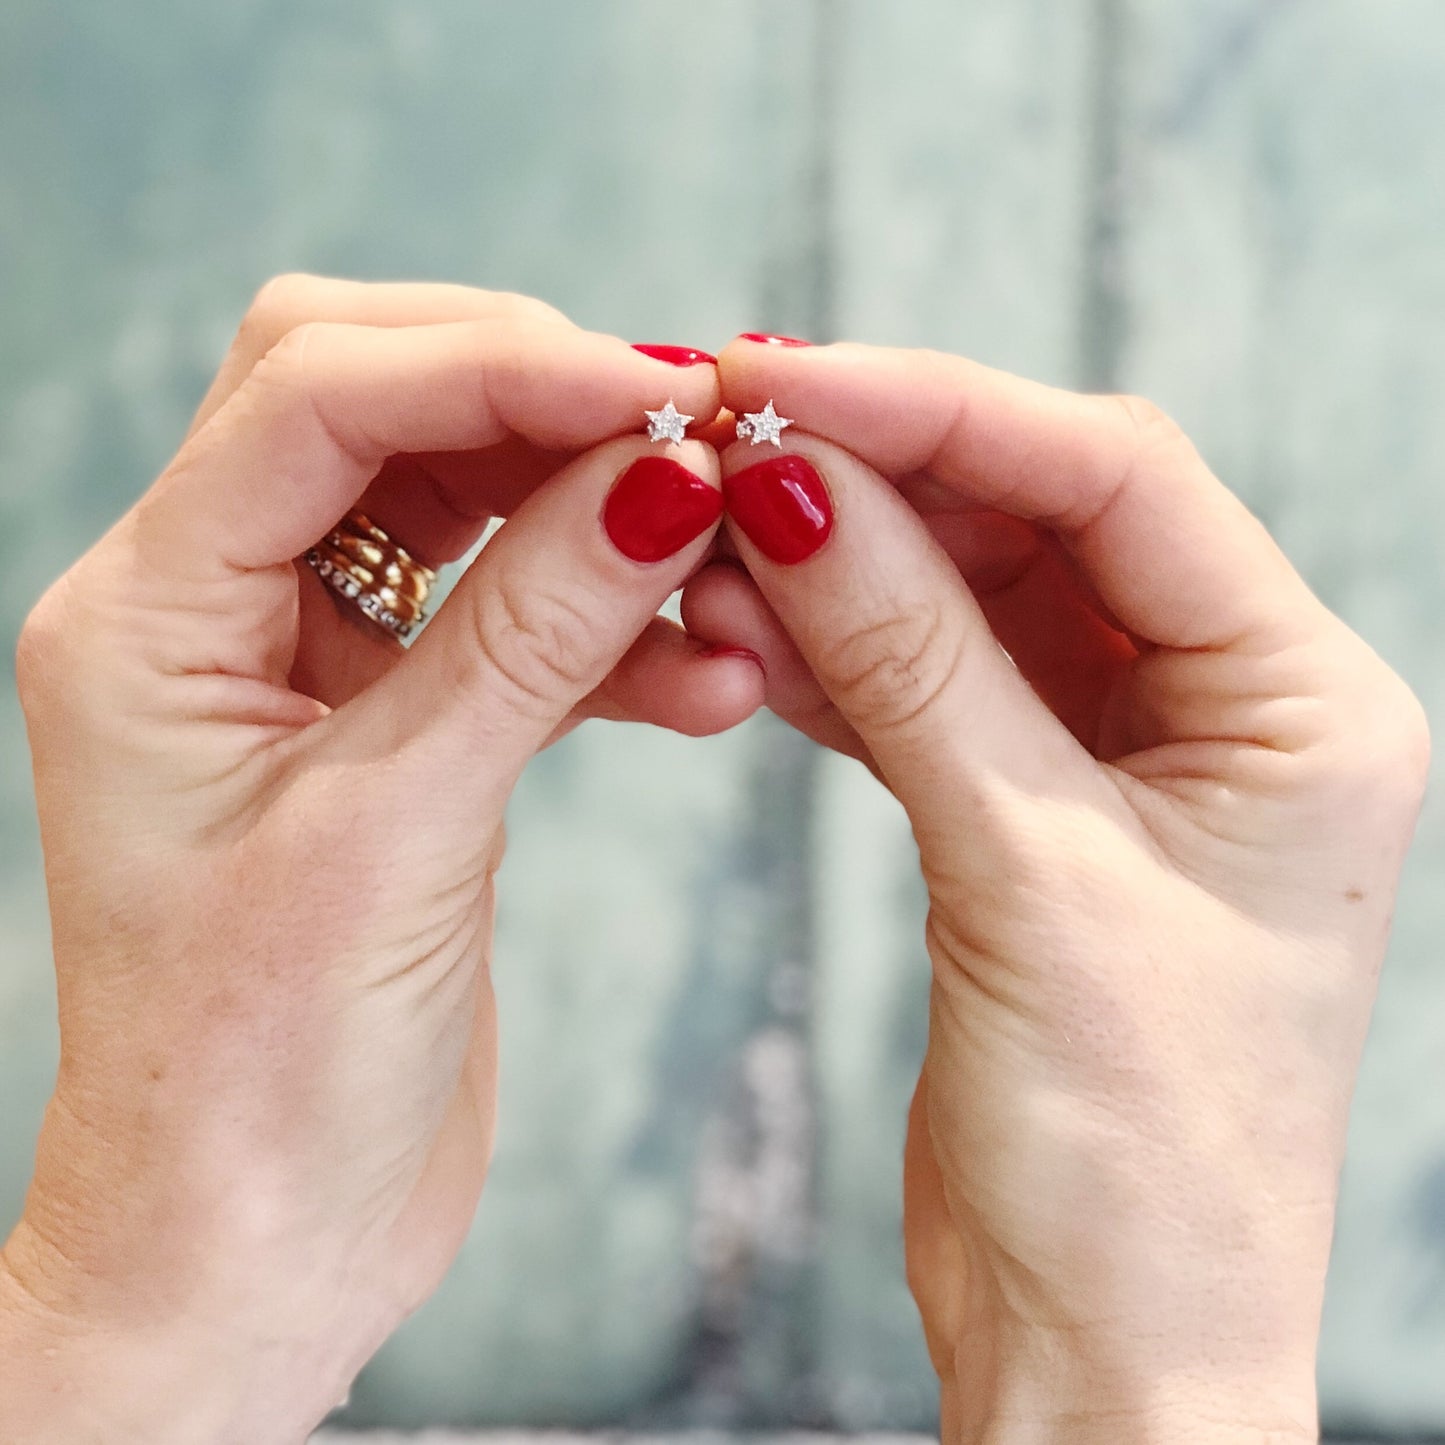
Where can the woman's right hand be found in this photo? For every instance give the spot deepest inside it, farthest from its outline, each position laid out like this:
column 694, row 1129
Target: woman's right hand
column 1161, row 836
column 270, row 837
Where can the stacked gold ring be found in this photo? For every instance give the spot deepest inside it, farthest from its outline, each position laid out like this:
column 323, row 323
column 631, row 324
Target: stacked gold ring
column 361, row 563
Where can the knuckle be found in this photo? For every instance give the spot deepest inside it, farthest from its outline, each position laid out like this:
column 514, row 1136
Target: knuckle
column 1378, row 729
column 286, row 351
column 1148, row 421
column 1145, row 438
column 1394, row 738
column 291, row 372
column 1365, row 751
column 1149, row 429
column 538, row 647
column 891, row 672
column 41, row 648
column 34, row 649
column 276, row 309
column 518, row 306
column 1414, row 742
column 299, row 370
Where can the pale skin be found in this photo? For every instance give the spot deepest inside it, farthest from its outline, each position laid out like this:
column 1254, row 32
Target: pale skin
column 1161, row 845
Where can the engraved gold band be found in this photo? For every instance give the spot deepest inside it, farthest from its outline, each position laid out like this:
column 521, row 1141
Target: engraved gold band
column 358, row 561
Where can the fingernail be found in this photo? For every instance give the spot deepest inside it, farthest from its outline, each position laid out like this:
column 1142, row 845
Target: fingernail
column 783, row 507
column 657, row 507
column 676, row 355
column 764, row 339
column 746, row 652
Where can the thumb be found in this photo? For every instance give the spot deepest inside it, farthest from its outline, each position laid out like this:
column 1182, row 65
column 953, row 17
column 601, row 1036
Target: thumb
column 542, row 616
column 882, row 616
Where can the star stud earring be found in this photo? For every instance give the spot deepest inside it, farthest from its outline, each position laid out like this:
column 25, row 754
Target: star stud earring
column 763, row 426
column 667, row 425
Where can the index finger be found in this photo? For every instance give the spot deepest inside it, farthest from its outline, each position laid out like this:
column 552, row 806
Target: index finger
column 316, row 419
column 288, row 301
column 1175, row 556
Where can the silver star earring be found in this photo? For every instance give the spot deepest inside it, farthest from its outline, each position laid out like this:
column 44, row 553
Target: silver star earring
column 763, row 426
column 667, row 425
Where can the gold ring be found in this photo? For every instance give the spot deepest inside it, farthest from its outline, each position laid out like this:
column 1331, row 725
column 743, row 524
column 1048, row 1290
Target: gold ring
column 358, row 561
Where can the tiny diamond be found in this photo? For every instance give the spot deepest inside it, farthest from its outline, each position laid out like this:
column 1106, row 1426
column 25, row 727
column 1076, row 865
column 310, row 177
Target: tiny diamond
column 763, row 426
column 380, row 606
column 667, row 425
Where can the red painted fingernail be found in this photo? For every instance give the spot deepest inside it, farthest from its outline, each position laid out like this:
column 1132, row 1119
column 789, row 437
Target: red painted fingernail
column 676, row 355
column 657, row 507
column 746, row 652
column 783, row 507
column 764, row 339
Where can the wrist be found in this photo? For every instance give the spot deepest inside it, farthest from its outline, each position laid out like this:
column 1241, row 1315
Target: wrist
column 1090, row 1399
column 1183, row 1423
column 78, row 1364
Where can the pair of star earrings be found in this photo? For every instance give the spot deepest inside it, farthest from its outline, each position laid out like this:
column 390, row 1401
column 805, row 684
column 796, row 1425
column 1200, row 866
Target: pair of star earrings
column 670, row 425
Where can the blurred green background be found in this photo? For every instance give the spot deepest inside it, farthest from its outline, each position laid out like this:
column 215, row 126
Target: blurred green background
column 709, row 962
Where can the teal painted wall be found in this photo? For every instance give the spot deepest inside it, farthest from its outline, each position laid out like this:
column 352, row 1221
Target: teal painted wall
column 1233, row 206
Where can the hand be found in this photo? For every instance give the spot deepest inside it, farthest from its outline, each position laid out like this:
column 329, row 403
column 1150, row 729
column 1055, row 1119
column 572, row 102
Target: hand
column 442, row 501
column 270, row 838
column 1161, row 847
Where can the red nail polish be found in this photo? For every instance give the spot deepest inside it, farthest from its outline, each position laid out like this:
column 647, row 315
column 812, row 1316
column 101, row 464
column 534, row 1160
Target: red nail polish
column 657, row 507
column 676, row 355
column 783, row 507
column 764, row 339
column 746, row 652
